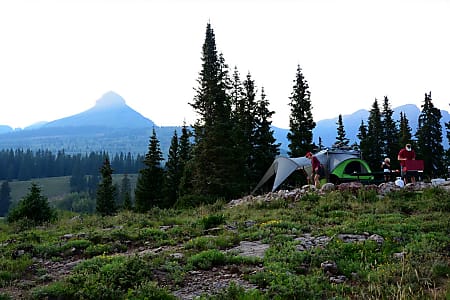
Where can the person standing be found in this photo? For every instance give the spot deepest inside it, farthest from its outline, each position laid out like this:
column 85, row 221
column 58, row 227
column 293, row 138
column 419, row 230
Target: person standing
column 317, row 169
column 405, row 154
column 386, row 166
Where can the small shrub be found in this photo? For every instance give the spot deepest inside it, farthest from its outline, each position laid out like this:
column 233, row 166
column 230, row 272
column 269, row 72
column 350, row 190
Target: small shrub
column 207, row 259
column 57, row 290
column 212, row 221
column 149, row 290
column 97, row 249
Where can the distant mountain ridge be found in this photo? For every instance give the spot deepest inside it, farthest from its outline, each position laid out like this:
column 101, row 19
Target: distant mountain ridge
column 112, row 126
column 110, row 111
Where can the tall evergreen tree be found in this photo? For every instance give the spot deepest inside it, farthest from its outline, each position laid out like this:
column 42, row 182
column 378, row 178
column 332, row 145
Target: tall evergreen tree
column 185, row 154
column 363, row 140
column 341, row 138
column 320, row 146
column 374, row 138
column 245, row 126
column 5, row 198
column 106, row 192
column 213, row 167
column 405, row 135
column 429, row 138
column 173, row 173
column 148, row 192
column 301, row 122
column 265, row 148
column 390, row 133
column 125, row 193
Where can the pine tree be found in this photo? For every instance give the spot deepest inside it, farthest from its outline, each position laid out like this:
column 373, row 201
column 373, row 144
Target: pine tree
column 320, row 146
column 341, row 139
column 5, row 198
column 185, row 155
column 148, row 191
column 405, row 135
column 33, row 208
column 244, row 135
column 429, row 138
column 173, row 172
column 363, row 140
column 265, row 148
column 300, row 120
column 213, row 166
column 106, row 192
column 390, row 132
column 125, row 193
column 374, row 139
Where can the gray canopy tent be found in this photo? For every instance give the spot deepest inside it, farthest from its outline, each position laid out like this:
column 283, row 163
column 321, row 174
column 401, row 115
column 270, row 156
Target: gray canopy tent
column 340, row 165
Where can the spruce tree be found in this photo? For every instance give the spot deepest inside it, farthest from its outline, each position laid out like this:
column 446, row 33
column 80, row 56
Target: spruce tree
column 185, row 154
column 5, row 198
column 341, row 140
column 148, row 191
column 364, row 146
column 390, row 133
column 106, row 191
column 405, row 135
column 33, row 208
column 429, row 138
column 374, row 139
column 447, row 152
column 301, row 122
column 265, row 148
column 125, row 193
column 240, row 95
column 173, row 173
column 213, row 165
column 245, row 126
column 320, row 145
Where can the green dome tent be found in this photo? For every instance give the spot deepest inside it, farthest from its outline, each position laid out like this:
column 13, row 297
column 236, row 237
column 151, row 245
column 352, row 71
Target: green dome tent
column 340, row 166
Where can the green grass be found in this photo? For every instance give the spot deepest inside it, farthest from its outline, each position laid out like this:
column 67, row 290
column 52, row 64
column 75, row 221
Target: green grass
column 149, row 256
column 55, row 188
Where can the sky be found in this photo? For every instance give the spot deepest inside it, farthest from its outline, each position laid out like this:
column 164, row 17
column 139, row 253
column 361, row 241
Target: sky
column 58, row 57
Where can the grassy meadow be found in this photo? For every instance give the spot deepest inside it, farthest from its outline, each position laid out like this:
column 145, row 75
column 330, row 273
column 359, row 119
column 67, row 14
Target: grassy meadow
column 54, row 188
column 308, row 255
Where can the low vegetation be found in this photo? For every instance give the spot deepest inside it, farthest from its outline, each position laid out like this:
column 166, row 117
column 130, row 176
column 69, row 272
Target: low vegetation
column 336, row 246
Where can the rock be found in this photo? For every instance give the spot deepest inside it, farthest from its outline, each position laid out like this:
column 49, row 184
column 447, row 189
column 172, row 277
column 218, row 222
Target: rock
column 328, row 187
column 377, row 238
column 247, row 248
column 338, row 279
column 329, row 267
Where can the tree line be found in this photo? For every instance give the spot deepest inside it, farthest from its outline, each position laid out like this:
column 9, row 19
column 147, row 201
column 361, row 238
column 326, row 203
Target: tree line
column 24, row 165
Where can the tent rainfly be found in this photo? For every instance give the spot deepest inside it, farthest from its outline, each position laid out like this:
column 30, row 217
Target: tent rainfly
column 340, row 166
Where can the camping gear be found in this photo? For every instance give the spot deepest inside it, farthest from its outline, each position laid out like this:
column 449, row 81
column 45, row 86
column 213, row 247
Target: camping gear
column 340, row 166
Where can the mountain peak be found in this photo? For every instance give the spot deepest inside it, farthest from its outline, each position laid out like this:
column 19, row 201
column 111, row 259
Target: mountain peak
column 110, row 99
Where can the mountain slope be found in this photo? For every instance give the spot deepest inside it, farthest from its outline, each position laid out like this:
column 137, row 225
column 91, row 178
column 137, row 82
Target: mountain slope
column 110, row 111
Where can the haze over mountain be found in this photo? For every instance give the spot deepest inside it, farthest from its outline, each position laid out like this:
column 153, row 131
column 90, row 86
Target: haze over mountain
column 112, row 126
column 110, row 110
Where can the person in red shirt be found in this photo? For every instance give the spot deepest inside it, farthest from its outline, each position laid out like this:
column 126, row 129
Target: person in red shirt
column 405, row 154
column 317, row 169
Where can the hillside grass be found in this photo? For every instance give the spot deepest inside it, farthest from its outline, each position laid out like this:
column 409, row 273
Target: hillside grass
column 55, row 188
column 154, row 255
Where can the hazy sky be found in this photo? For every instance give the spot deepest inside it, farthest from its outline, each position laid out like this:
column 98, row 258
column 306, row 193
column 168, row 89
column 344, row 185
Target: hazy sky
column 58, row 57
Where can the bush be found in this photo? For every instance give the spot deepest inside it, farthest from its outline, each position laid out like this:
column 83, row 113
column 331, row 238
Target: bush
column 33, row 208
column 207, row 259
column 212, row 221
